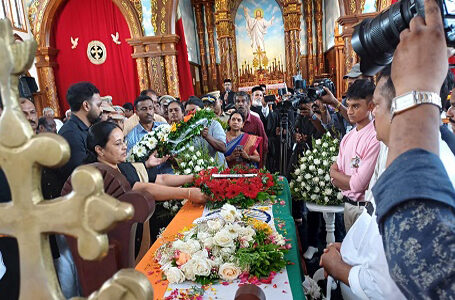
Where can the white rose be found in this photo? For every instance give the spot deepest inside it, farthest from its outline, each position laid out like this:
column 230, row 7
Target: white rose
column 233, row 229
column 325, row 163
column 315, row 151
column 189, row 270
column 200, row 162
column 334, row 158
column 324, row 153
column 201, row 254
column 316, row 179
column 229, row 271
column 202, row 266
column 297, row 171
column 317, row 190
column 307, row 187
column 246, row 233
column 299, row 179
column 198, row 153
column 183, row 164
column 325, row 145
column 335, row 141
column 310, row 158
column 307, row 176
column 190, row 163
column 322, row 183
column 212, row 160
column 291, row 185
column 304, row 159
column 332, row 149
column 202, row 236
column 312, row 168
column 318, row 142
column 214, row 225
column 303, row 168
column 328, row 134
column 320, row 172
column 191, row 148
column 223, row 239
column 339, row 196
column 174, row 275
column 327, row 177
column 308, row 152
column 326, row 199
column 187, row 171
column 313, row 197
column 317, row 161
column 197, row 169
column 328, row 191
column 208, row 243
column 229, row 213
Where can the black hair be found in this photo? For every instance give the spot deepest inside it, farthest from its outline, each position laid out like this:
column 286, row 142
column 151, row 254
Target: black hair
column 242, row 94
column 80, row 92
column 361, row 89
column 179, row 103
column 42, row 121
column 128, row 106
column 98, row 135
column 257, row 88
column 145, row 92
column 1, row 102
column 195, row 101
column 233, row 113
column 227, row 80
column 140, row 99
column 388, row 90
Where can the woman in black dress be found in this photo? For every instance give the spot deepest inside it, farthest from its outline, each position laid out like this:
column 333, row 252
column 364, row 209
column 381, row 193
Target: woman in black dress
column 106, row 144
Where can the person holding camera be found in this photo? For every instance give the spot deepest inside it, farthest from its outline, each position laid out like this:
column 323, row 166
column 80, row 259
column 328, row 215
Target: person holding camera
column 358, row 152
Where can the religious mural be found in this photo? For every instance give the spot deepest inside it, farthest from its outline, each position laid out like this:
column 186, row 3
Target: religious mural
column 259, row 34
column 369, row 7
column 189, row 25
column 146, row 18
column 331, row 14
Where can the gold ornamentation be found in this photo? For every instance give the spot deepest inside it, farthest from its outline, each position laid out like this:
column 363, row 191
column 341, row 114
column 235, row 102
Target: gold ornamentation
column 96, row 52
column 87, row 213
column 154, row 8
column 353, row 6
column 172, row 75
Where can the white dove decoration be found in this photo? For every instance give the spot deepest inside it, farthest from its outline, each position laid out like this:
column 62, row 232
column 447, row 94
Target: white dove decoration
column 74, row 42
column 115, row 38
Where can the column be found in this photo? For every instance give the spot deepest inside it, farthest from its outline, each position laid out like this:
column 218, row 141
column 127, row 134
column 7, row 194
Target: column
column 210, row 25
column 291, row 16
column 141, row 63
column 309, row 28
column 201, row 36
column 340, row 68
column 319, row 45
column 225, row 29
column 168, row 48
column 45, row 62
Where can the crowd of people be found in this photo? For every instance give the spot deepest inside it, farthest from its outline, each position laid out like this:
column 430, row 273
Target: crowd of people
column 395, row 168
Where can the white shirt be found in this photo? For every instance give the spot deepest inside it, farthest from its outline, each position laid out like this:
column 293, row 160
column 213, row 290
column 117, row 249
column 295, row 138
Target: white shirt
column 58, row 124
column 2, row 267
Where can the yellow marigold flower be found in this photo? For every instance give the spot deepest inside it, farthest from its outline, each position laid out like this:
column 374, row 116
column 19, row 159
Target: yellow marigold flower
column 174, row 127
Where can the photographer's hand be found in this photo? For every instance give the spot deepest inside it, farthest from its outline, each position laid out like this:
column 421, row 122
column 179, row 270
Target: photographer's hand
column 419, row 64
column 330, row 99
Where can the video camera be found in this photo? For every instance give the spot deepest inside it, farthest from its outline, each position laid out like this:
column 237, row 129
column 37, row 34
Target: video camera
column 375, row 39
column 317, row 90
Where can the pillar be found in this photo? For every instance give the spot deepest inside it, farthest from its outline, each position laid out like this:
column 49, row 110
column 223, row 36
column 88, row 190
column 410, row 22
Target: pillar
column 319, row 44
column 201, row 35
column 309, row 28
column 291, row 18
column 210, row 25
column 45, row 62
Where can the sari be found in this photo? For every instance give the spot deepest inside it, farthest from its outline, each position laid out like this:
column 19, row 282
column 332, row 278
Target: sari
column 249, row 142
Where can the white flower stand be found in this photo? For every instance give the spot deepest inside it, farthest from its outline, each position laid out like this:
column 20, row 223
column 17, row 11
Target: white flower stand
column 328, row 212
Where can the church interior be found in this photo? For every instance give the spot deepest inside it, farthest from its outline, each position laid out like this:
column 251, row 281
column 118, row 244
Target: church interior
column 183, row 48
column 215, row 149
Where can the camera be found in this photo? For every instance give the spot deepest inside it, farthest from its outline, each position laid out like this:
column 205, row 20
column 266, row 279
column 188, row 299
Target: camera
column 375, row 39
column 317, row 90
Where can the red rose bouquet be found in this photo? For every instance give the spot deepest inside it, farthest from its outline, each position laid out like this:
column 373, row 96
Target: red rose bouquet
column 241, row 192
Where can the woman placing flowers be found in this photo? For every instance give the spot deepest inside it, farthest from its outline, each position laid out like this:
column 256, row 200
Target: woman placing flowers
column 106, row 144
column 241, row 148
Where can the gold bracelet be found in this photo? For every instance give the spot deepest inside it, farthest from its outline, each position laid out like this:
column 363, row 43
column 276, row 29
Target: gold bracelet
column 337, row 108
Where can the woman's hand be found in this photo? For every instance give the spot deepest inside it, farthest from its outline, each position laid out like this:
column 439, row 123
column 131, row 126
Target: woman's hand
column 154, row 161
column 244, row 154
column 196, row 196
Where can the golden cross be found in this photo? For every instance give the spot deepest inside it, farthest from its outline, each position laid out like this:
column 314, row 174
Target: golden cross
column 261, row 57
column 87, row 213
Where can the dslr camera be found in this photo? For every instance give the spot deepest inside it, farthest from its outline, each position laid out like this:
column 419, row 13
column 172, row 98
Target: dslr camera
column 375, row 39
column 316, row 91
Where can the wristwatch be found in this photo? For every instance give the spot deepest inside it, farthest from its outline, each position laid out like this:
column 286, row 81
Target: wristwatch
column 412, row 99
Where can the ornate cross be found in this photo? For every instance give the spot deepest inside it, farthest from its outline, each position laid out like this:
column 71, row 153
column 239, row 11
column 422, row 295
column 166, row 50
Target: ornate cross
column 261, row 57
column 86, row 213
column 97, row 52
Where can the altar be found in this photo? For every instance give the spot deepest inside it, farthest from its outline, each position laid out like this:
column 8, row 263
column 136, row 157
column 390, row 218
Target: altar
column 286, row 285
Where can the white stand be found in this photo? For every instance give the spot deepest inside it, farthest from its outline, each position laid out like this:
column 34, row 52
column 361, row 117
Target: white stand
column 328, row 212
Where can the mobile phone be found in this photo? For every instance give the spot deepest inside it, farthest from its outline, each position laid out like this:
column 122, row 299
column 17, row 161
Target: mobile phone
column 239, row 147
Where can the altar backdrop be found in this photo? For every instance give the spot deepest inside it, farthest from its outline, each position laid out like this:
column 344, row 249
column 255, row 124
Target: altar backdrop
column 86, row 21
column 249, row 71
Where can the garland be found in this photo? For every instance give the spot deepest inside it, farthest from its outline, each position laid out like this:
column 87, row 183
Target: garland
column 241, row 192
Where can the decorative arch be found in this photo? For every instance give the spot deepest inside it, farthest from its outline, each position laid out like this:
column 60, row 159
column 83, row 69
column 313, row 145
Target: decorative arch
column 42, row 15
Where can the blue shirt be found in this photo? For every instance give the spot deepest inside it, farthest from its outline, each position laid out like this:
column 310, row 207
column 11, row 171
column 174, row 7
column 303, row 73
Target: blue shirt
column 416, row 217
column 138, row 133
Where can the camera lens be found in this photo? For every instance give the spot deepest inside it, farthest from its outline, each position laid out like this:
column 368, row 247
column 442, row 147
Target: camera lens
column 375, row 40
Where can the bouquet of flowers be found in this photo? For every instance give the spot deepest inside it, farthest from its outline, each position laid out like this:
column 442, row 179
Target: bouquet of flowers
column 190, row 127
column 240, row 191
column 311, row 177
column 226, row 248
column 192, row 160
column 155, row 140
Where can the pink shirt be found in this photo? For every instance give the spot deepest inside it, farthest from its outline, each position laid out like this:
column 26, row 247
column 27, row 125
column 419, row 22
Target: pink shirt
column 357, row 158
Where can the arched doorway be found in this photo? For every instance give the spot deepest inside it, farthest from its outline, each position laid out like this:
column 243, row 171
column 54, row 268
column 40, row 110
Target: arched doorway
column 43, row 14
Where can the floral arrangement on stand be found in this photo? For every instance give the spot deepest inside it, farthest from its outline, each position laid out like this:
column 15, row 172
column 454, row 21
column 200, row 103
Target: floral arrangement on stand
column 311, row 177
column 155, row 140
column 239, row 191
column 193, row 160
column 226, row 248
